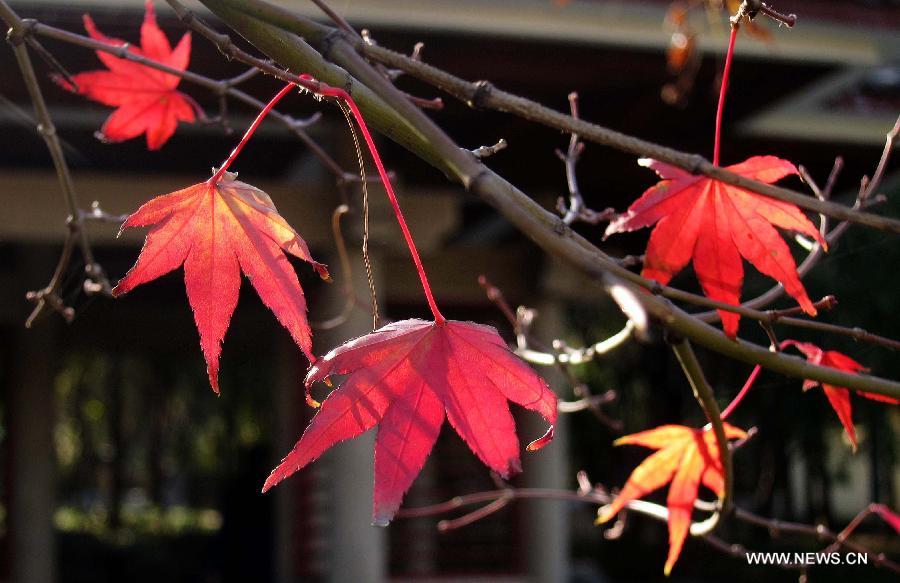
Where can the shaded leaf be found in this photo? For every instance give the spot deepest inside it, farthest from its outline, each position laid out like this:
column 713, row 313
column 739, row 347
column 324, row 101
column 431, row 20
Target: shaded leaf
column 405, row 377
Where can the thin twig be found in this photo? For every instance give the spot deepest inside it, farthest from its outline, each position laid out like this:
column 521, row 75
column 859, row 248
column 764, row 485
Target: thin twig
column 346, row 274
column 484, row 95
column 576, row 210
column 482, row 152
column 588, row 493
column 521, row 321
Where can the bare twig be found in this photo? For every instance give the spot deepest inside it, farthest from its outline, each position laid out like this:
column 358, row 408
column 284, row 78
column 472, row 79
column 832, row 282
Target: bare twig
column 98, row 214
column 393, row 74
column 521, row 321
column 484, row 95
column 482, row 152
column 789, row 20
column 588, row 493
column 576, row 210
column 346, row 273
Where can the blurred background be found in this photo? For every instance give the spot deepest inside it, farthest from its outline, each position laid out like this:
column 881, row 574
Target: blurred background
column 117, row 462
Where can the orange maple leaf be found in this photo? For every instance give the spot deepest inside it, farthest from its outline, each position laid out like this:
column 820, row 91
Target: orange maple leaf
column 686, row 457
column 217, row 229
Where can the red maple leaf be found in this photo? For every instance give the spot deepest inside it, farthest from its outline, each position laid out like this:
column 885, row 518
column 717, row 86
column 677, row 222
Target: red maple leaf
column 403, row 378
column 145, row 98
column 687, row 457
column 715, row 224
column 217, row 229
column 838, row 397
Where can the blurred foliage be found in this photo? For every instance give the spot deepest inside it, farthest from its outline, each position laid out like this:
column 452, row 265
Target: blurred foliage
column 145, row 519
column 141, row 449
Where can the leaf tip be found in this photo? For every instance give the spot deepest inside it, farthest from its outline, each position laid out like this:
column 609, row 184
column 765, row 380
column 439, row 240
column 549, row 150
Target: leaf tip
column 271, row 481
column 214, row 381
column 322, row 270
column 541, row 441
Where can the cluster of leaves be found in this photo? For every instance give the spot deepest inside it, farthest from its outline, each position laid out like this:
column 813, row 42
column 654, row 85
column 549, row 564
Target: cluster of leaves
column 403, row 376
column 408, row 376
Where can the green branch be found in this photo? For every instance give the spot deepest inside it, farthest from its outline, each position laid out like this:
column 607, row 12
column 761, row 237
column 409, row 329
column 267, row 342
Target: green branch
column 707, row 400
column 482, row 94
column 392, row 114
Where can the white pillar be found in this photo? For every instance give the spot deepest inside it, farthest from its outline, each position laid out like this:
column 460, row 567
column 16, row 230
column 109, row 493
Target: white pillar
column 357, row 550
column 547, row 521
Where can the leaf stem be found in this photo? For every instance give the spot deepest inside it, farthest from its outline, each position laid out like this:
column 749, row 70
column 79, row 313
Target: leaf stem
column 742, row 393
column 329, row 91
column 726, row 73
column 249, row 133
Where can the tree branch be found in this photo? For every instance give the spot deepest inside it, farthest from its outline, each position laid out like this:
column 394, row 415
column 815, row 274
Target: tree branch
column 481, row 94
column 407, row 125
column 598, row 496
column 704, row 395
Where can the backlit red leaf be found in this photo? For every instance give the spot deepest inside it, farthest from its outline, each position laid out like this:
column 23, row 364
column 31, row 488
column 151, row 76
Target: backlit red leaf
column 716, row 224
column 838, row 397
column 685, row 457
column 217, row 231
column 146, row 100
column 405, row 377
